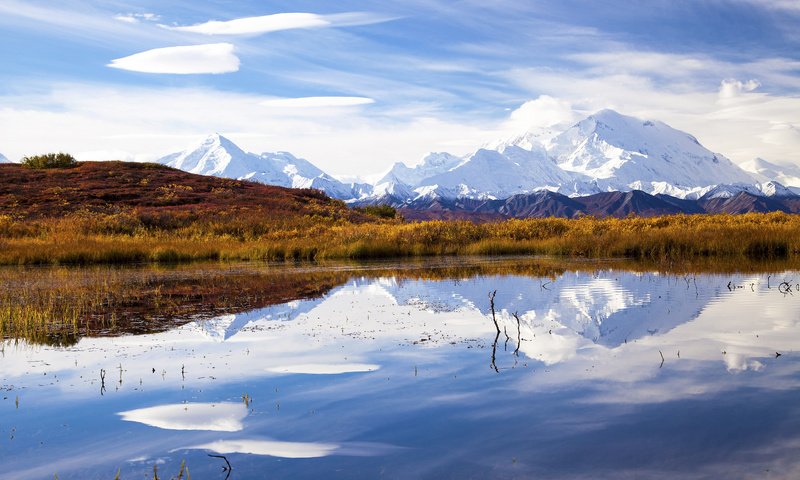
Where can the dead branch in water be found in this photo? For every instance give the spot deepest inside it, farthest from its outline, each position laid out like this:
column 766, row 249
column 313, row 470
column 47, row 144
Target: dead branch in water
column 491, row 305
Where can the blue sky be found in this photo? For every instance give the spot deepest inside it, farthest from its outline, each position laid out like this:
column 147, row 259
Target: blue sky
column 105, row 79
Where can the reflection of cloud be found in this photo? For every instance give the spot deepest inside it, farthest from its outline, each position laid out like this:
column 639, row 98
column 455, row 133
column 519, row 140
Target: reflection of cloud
column 220, row 417
column 273, row 448
column 325, row 368
column 192, row 59
column 737, row 362
column 270, row 448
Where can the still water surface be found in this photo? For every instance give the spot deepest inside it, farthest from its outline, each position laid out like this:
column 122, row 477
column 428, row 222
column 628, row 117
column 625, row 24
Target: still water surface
column 607, row 373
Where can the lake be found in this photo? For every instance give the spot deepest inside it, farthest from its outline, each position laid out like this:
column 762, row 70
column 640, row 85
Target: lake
column 402, row 370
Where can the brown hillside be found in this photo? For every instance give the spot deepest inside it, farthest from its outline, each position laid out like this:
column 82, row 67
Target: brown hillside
column 151, row 189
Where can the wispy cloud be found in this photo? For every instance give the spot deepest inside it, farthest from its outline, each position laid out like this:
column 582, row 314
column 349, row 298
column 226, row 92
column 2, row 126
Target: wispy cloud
column 193, row 59
column 93, row 120
column 317, row 102
column 137, row 17
column 278, row 22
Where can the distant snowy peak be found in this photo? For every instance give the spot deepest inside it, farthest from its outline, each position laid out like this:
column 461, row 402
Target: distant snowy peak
column 764, row 170
column 433, row 164
column 3, row 159
column 220, row 157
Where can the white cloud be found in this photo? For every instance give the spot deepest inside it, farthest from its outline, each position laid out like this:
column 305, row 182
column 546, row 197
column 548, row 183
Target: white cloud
column 193, row 59
column 278, row 22
column 731, row 88
column 137, row 17
column 543, row 112
column 317, row 102
column 651, row 63
column 254, row 25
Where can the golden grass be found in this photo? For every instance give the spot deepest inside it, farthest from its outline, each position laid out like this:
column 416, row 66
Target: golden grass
column 124, row 238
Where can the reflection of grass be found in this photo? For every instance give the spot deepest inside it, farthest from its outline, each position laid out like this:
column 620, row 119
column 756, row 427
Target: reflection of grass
column 128, row 238
column 59, row 305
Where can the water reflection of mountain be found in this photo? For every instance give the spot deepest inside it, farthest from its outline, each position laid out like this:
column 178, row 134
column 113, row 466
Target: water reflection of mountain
column 226, row 326
column 606, row 307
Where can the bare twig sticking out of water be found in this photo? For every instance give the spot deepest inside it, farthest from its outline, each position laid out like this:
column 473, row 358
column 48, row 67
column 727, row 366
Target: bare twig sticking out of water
column 224, row 469
column 183, row 372
column 505, row 332
column 102, row 381
column 120, row 374
column 785, row 288
column 491, row 305
column 519, row 335
column 662, row 359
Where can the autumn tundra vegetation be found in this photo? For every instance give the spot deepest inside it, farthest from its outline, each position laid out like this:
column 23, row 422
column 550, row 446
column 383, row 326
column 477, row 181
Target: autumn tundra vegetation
column 60, row 212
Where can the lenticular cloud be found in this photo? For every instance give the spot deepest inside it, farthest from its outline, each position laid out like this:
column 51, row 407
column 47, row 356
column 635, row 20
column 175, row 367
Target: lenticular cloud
column 211, row 58
column 255, row 25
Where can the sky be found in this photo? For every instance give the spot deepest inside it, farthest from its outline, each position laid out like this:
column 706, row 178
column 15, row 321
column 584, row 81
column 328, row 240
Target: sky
column 354, row 86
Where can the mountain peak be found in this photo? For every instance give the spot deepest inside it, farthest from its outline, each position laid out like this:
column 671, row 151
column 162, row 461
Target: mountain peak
column 215, row 140
column 3, row 159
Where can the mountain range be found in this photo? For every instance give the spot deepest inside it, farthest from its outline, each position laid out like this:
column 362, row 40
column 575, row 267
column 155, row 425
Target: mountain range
column 217, row 156
column 605, row 164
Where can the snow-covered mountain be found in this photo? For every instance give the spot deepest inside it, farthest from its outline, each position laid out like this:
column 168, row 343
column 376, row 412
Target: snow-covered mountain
column 623, row 152
column 220, row 157
column 788, row 175
column 433, row 164
column 3, row 159
column 604, row 152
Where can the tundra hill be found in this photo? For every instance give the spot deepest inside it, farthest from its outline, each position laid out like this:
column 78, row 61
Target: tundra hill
column 156, row 191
